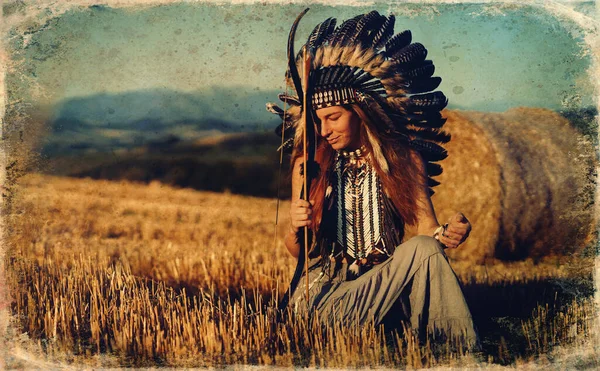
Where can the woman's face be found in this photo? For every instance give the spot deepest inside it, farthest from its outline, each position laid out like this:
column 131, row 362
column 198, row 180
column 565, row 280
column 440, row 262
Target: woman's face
column 340, row 127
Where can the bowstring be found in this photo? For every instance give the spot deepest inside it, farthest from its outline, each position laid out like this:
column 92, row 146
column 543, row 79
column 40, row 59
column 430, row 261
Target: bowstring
column 275, row 235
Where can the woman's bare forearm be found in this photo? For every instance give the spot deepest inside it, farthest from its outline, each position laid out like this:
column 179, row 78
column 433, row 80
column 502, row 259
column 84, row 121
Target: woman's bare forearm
column 292, row 243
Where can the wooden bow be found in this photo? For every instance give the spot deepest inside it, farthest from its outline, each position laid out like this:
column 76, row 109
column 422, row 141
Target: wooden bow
column 302, row 86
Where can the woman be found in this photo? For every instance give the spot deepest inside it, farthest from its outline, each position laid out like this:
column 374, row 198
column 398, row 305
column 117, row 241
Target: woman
column 377, row 140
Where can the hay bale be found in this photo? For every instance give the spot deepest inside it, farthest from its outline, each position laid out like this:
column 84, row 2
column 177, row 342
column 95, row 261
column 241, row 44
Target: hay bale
column 524, row 178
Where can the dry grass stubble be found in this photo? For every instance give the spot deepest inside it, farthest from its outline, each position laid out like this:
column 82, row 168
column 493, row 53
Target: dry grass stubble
column 162, row 276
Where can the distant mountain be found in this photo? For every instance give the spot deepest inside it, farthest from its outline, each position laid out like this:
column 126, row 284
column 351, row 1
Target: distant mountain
column 108, row 122
column 146, row 108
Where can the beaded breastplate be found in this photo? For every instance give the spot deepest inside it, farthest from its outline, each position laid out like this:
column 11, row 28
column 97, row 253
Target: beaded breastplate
column 359, row 202
column 359, row 221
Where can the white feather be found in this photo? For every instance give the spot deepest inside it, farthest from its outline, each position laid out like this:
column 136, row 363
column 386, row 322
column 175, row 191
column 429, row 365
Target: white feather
column 377, row 152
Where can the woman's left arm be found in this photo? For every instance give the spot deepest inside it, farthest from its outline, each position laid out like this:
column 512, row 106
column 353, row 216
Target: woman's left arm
column 458, row 227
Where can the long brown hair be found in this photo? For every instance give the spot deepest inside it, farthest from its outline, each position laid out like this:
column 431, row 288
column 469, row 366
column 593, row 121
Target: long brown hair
column 401, row 182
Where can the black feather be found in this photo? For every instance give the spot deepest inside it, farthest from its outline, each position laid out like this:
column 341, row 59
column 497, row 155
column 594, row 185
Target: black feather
column 432, row 182
column 424, row 70
column 423, row 85
column 337, row 73
column 381, row 91
column 341, row 74
column 326, row 76
column 434, row 101
column 385, row 32
column 364, row 27
column 321, row 32
column 433, row 169
column 432, row 135
column 273, row 108
column 366, row 39
column 289, row 99
column 430, row 151
column 372, row 85
column 432, row 156
column 362, row 78
column 397, row 42
column 430, row 119
column 347, row 75
column 345, row 31
column 410, row 54
column 402, row 133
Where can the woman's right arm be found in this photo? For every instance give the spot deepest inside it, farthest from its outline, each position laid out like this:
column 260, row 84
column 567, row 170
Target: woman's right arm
column 300, row 212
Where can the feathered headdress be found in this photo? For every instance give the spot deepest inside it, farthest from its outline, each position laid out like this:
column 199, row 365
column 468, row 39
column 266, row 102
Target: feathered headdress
column 362, row 62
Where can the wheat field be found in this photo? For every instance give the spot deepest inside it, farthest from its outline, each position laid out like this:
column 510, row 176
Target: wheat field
column 108, row 273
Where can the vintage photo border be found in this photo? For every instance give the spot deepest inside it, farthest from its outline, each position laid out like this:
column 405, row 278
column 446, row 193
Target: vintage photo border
column 587, row 27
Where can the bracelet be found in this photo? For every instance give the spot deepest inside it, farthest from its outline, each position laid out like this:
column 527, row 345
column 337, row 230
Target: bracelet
column 441, row 229
column 436, row 233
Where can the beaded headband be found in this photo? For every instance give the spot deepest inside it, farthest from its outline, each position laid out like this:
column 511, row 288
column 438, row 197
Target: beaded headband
column 322, row 98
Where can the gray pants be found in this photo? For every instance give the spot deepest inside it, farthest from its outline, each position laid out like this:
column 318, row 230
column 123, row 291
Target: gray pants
column 415, row 285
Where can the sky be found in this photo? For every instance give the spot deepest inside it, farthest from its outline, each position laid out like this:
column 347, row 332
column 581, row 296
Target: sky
column 490, row 59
